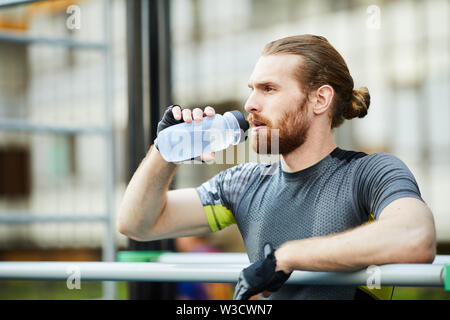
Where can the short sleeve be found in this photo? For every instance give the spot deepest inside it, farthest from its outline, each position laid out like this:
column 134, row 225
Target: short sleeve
column 379, row 179
column 221, row 194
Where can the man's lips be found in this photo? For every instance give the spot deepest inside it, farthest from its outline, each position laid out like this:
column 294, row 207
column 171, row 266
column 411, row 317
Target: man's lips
column 256, row 123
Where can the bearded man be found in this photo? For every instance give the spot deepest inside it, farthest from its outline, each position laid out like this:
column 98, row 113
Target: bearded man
column 311, row 213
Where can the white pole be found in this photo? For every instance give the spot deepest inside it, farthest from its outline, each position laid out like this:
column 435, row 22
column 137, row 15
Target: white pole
column 234, row 257
column 109, row 244
column 428, row 275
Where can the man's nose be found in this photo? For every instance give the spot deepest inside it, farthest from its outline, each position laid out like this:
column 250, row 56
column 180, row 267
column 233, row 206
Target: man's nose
column 252, row 105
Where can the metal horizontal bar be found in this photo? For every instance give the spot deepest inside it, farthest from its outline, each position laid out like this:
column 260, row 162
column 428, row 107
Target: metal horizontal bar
column 24, row 126
column 69, row 43
column 234, row 258
column 30, row 217
column 10, row 3
column 395, row 274
column 441, row 259
column 210, row 257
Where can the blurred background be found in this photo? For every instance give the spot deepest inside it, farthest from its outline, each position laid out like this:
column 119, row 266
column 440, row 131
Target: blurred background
column 84, row 83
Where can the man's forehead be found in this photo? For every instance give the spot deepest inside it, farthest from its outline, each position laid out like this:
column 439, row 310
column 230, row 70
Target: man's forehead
column 274, row 68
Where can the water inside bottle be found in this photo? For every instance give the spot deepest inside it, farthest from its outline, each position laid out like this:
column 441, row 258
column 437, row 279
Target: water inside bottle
column 191, row 140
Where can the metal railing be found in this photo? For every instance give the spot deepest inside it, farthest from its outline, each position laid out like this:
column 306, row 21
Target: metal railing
column 9, row 3
column 230, row 258
column 417, row 275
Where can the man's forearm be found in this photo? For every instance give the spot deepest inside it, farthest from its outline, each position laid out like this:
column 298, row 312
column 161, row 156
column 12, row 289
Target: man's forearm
column 399, row 238
column 145, row 196
column 346, row 251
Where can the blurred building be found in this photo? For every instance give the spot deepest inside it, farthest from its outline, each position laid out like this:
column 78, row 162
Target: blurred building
column 398, row 49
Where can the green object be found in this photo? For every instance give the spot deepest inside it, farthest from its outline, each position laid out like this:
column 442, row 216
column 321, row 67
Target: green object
column 447, row 277
column 139, row 256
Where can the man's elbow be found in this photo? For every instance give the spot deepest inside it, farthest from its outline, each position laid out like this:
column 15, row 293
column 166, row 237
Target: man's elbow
column 122, row 227
column 422, row 236
column 424, row 249
column 128, row 229
column 130, row 232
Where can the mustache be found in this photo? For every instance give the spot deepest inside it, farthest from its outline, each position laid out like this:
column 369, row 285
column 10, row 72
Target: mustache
column 251, row 118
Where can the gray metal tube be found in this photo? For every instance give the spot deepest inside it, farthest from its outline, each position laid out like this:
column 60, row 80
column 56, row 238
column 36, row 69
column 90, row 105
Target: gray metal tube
column 210, row 257
column 23, row 126
column 109, row 243
column 415, row 275
column 442, row 259
column 233, row 258
column 9, row 3
column 395, row 274
column 69, row 43
column 36, row 217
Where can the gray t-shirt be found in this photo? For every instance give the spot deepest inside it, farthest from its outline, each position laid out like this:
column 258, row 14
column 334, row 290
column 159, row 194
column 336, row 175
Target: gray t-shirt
column 343, row 190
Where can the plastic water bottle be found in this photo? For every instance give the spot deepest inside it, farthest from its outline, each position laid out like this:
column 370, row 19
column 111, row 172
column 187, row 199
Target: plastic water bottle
column 185, row 141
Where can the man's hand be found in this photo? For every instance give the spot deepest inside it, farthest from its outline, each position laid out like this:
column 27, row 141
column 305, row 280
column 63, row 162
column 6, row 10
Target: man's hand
column 167, row 120
column 260, row 276
column 174, row 114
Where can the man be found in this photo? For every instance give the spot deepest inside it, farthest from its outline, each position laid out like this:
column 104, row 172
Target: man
column 311, row 213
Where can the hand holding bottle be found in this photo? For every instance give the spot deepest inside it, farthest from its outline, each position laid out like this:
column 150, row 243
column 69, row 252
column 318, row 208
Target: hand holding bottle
column 175, row 114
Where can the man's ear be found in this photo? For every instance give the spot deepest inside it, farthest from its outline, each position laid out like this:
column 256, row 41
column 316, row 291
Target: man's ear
column 324, row 96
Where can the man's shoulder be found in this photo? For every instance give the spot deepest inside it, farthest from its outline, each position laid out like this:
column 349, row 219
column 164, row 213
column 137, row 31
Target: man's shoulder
column 380, row 164
column 362, row 157
column 381, row 158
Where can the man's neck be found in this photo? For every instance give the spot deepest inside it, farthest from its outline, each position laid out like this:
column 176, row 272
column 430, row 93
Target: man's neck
column 312, row 151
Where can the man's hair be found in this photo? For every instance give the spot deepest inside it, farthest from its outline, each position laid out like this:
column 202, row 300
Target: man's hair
column 322, row 64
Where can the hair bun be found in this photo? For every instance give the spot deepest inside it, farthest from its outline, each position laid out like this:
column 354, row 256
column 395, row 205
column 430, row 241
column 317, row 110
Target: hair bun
column 359, row 104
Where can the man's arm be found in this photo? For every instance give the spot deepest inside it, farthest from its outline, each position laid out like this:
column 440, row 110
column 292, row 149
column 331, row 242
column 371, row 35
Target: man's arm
column 403, row 233
column 149, row 211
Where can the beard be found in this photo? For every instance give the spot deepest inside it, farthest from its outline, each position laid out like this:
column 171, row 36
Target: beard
column 284, row 137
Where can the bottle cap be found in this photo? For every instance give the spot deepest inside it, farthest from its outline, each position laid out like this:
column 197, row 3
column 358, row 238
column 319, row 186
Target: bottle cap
column 243, row 123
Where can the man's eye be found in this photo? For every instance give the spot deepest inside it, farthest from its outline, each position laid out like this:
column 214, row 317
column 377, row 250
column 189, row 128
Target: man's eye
column 268, row 89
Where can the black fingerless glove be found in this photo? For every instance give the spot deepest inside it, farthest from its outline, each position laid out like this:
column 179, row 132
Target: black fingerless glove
column 166, row 121
column 260, row 276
